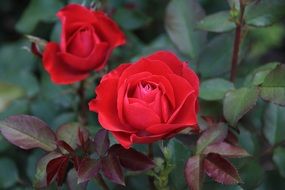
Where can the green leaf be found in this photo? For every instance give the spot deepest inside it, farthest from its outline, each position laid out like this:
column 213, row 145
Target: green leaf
column 238, row 102
column 217, row 22
column 273, row 87
column 8, row 174
column 210, row 136
column 234, row 4
column 215, row 59
column 215, row 89
column 251, row 173
column 247, row 140
column 180, row 22
column 43, row 10
column 179, row 154
column 3, row 144
column 264, row 13
column 279, row 159
column 274, row 120
column 8, row 93
column 258, row 76
column 131, row 19
column 22, row 64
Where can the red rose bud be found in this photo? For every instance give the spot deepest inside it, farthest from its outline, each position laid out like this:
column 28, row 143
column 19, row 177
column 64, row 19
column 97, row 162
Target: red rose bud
column 152, row 99
column 87, row 40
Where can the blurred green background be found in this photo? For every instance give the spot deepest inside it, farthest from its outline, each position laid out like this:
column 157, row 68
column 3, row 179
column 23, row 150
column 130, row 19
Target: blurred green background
column 25, row 88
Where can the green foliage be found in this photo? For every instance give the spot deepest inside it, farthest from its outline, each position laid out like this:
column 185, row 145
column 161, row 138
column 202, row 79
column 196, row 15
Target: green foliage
column 181, row 19
column 265, row 13
column 10, row 175
column 215, row 89
column 238, row 102
column 8, row 93
column 215, row 58
column 217, row 22
column 37, row 11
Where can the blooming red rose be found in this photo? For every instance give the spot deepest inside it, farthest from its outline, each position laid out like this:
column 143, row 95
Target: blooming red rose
column 152, row 99
column 87, row 40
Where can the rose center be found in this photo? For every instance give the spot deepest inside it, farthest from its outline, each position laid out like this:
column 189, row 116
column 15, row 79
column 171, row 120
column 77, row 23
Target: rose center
column 83, row 42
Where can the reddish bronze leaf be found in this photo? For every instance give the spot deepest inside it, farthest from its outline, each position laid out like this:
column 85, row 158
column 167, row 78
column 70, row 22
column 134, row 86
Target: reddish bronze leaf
column 193, row 172
column 131, row 159
column 227, row 150
column 56, row 169
column 88, row 169
column 231, row 138
column 112, row 169
column 41, row 176
column 101, row 142
column 211, row 135
column 28, row 132
column 221, row 170
column 69, row 134
column 66, row 146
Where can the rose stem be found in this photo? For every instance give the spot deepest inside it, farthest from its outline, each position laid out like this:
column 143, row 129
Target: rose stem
column 101, row 182
column 82, row 104
column 237, row 41
column 150, row 155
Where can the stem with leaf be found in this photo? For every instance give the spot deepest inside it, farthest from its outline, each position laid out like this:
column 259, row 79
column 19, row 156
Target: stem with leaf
column 237, row 41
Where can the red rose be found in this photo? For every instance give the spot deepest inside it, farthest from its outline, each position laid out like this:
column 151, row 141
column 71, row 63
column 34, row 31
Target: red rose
column 87, row 40
column 147, row 101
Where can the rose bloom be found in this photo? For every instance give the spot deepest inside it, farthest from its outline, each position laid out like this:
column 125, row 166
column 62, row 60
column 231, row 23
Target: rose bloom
column 87, row 40
column 152, row 99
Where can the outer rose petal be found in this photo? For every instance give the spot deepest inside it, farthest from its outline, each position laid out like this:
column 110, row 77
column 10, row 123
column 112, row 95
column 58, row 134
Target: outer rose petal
column 168, row 58
column 116, row 73
column 127, row 140
column 109, row 30
column 73, row 16
column 175, row 64
column 105, row 105
column 59, row 71
column 95, row 61
column 144, row 65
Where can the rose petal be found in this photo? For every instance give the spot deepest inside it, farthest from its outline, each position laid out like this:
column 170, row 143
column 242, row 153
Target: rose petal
column 123, row 90
column 186, row 113
column 82, row 42
column 59, row 71
column 165, row 129
column 181, row 88
column 139, row 116
column 144, row 65
column 177, row 66
column 116, row 73
column 168, row 58
column 192, row 78
column 145, row 139
column 109, row 30
column 95, row 61
column 71, row 17
column 105, row 106
column 123, row 138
